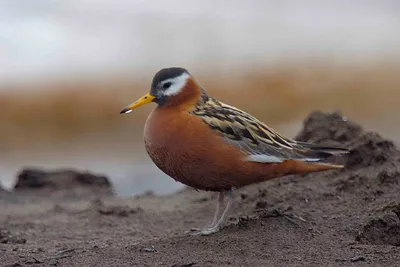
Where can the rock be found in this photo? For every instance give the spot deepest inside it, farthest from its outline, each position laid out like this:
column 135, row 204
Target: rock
column 150, row 249
column 381, row 229
column 357, row 258
column 61, row 180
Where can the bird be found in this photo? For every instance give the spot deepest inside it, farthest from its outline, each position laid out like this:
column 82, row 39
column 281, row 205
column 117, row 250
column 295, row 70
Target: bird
column 211, row 146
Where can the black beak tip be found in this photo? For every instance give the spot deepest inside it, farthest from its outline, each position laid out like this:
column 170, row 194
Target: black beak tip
column 124, row 111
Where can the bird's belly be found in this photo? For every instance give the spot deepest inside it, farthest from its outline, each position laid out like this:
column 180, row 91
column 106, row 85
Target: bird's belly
column 178, row 165
column 182, row 160
column 188, row 151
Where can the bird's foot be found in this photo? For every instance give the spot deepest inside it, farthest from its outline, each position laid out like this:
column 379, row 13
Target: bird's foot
column 204, row 232
column 210, row 231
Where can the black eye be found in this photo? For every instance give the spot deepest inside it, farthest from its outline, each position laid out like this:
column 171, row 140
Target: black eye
column 166, row 85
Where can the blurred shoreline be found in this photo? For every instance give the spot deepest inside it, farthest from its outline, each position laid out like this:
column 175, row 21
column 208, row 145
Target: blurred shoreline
column 75, row 109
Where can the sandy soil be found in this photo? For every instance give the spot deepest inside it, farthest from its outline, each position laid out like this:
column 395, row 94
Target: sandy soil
column 346, row 217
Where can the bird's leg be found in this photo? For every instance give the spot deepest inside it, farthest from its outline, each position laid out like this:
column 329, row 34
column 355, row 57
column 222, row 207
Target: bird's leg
column 215, row 228
column 220, row 201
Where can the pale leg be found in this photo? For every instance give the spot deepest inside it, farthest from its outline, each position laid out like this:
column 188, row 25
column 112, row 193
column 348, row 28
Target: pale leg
column 220, row 202
column 220, row 223
column 215, row 228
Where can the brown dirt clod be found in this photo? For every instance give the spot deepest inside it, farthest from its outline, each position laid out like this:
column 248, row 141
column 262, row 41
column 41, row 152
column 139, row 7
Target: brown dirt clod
column 31, row 179
column 381, row 229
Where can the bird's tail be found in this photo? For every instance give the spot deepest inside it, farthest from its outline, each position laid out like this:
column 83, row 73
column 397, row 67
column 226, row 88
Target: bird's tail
column 305, row 167
column 315, row 153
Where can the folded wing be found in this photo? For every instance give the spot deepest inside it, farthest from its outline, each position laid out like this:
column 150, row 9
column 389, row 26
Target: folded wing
column 259, row 142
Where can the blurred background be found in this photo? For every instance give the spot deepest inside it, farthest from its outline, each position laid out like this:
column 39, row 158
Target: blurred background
column 67, row 67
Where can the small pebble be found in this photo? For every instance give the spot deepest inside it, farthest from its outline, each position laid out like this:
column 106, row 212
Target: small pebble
column 152, row 249
column 357, row 258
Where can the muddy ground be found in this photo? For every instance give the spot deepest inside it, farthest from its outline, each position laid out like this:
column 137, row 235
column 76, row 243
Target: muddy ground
column 346, row 217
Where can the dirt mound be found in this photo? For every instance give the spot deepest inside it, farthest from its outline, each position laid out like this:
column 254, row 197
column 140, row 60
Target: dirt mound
column 61, row 180
column 366, row 148
column 381, row 229
column 329, row 129
column 371, row 173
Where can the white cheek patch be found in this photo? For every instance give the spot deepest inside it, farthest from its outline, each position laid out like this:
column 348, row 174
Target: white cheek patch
column 177, row 84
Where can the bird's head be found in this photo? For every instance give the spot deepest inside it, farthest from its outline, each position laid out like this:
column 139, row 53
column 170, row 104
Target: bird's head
column 170, row 86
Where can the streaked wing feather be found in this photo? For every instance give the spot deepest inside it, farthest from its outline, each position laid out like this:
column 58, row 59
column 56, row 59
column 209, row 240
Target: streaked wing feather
column 254, row 138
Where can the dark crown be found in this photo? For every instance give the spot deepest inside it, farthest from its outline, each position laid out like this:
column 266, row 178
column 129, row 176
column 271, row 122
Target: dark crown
column 166, row 74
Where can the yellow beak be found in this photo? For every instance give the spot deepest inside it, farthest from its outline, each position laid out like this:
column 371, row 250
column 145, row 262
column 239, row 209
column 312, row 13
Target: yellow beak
column 148, row 98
